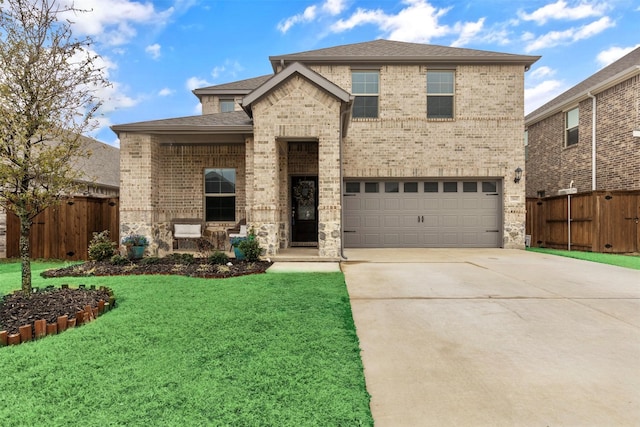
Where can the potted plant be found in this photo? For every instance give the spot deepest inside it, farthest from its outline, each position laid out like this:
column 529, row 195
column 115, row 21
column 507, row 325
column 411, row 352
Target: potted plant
column 235, row 243
column 135, row 245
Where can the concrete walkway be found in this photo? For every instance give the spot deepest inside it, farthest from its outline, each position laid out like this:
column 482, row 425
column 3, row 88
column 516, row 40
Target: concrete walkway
column 496, row 338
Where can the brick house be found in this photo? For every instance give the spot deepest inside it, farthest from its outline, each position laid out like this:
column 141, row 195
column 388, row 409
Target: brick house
column 564, row 146
column 376, row 144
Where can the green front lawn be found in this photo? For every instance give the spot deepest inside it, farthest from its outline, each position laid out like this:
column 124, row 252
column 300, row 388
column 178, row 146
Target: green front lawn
column 628, row 261
column 271, row 349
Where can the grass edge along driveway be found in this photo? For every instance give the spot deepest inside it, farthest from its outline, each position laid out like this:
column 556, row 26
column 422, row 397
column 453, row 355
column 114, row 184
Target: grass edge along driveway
column 627, row 261
column 271, row 349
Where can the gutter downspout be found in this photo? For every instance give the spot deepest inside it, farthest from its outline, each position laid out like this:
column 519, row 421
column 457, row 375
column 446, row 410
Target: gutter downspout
column 343, row 117
column 593, row 141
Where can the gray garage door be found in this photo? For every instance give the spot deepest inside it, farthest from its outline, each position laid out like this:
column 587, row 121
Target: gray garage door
column 423, row 213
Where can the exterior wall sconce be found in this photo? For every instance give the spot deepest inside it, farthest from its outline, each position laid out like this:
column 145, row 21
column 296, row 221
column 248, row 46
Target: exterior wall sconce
column 518, row 175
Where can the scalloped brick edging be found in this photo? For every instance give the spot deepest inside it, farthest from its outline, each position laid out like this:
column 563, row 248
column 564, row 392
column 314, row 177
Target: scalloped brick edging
column 40, row 328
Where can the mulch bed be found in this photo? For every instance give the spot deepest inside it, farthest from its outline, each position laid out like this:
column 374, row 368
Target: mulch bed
column 198, row 268
column 16, row 310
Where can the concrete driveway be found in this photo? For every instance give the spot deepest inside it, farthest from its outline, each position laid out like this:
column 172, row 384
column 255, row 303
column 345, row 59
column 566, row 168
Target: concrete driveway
column 495, row 337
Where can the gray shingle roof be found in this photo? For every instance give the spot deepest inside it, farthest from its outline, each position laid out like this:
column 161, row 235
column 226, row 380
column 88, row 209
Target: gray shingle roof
column 103, row 166
column 596, row 82
column 387, row 51
column 233, row 121
column 241, row 86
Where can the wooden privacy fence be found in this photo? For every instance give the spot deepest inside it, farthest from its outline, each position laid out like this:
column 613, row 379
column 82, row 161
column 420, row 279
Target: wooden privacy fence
column 600, row 221
column 64, row 231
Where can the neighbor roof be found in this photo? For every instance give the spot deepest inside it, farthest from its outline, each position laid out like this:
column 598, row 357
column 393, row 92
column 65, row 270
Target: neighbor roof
column 103, row 166
column 611, row 75
column 231, row 122
column 387, row 51
column 241, row 87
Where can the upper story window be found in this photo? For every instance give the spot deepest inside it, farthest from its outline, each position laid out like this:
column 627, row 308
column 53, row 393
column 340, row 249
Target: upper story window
column 440, row 92
column 220, row 194
column 227, row 105
column 365, row 87
column 571, row 127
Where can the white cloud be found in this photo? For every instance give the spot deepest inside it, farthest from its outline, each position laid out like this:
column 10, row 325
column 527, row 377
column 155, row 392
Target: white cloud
column 561, row 10
column 166, row 92
column 555, row 38
column 153, row 50
column 541, row 72
column 334, row 7
column 612, row 54
column 311, row 13
column 196, row 82
column 468, row 32
column 308, row 15
column 417, row 22
column 542, row 93
column 113, row 22
column 230, row 68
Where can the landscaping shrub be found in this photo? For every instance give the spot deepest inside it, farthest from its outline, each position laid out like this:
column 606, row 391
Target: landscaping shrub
column 218, row 258
column 101, row 247
column 119, row 260
column 186, row 259
column 250, row 247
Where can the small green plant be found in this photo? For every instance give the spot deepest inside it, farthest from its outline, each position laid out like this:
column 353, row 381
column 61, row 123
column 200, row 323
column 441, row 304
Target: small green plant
column 119, row 260
column 222, row 269
column 101, row 247
column 251, row 247
column 218, row 258
column 182, row 258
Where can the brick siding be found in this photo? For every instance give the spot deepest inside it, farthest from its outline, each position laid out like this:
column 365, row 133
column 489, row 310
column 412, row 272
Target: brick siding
column 551, row 167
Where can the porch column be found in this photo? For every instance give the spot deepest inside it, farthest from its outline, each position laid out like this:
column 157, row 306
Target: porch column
column 263, row 211
column 139, row 168
column 329, row 206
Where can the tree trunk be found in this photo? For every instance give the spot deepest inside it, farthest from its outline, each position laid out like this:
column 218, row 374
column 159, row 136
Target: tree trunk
column 25, row 231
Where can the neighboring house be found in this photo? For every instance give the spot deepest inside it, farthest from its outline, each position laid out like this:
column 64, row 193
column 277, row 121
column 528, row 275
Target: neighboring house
column 564, row 146
column 100, row 178
column 377, row 144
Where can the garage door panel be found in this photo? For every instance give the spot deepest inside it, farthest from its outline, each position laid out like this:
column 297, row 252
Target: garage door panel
column 410, row 204
column 371, row 221
column 371, row 204
column 449, row 220
column 423, row 219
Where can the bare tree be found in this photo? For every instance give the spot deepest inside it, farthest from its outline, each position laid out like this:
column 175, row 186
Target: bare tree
column 48, row 85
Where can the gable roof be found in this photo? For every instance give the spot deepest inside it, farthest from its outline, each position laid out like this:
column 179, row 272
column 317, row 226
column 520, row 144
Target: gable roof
column 227, row 123
column 609, row 76
column 295, row 68
column 394, row 52
column 241, row 87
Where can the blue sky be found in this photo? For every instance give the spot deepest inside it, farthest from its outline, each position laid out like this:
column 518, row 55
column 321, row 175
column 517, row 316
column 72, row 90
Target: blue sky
column 156, row 52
